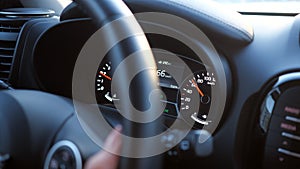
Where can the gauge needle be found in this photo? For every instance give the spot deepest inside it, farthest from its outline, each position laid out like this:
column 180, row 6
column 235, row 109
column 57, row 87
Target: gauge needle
column 104, row 75
column 198, row 89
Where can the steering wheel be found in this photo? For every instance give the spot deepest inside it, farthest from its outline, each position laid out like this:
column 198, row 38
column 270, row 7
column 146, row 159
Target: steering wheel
column 144, row 83
column 30, row 120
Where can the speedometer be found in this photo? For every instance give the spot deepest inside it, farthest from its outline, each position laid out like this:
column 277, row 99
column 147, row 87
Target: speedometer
column 195, row 97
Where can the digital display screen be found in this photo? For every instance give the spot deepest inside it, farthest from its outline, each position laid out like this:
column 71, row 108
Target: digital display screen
column 167, row 70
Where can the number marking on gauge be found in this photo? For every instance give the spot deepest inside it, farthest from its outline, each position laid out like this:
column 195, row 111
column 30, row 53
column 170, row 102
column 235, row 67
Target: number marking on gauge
column 198, row 89
column 103, row 84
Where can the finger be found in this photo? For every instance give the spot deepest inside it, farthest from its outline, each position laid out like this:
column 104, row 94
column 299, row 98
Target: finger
column 107, row 159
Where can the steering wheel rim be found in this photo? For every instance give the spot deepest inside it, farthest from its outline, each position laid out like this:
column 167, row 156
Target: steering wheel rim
column 103, row 12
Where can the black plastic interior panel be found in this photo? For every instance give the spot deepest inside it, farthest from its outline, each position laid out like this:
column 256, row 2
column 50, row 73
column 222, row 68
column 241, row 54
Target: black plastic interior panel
column 60, row 45
column 73, row 131
column 10, row 4
column 24, row 113
column 22, row 72
column 218, row 29
column 216, row 21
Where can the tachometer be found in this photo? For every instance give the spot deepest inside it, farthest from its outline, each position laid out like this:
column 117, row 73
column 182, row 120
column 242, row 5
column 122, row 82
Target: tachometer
column 103, row 83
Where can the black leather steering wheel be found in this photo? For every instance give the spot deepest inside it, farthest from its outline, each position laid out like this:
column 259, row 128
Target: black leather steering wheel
column 106, row 11
column 30, row 120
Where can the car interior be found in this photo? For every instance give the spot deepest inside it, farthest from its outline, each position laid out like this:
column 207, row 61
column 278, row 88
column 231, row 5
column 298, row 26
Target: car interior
column 195, row 84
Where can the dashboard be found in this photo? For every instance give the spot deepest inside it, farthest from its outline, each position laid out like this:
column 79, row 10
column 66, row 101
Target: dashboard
column 185, row 82
column 236, row 83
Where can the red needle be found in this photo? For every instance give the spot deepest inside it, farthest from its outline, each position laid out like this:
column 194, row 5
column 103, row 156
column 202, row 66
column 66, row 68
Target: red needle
column 198, row 89
column 104, row 75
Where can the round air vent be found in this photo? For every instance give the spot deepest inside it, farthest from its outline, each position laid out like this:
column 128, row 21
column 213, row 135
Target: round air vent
column 26, row 13
column 63, row 154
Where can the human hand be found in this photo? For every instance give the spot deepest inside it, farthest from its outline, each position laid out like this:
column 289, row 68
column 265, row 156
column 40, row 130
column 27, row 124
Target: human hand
column 104, row 159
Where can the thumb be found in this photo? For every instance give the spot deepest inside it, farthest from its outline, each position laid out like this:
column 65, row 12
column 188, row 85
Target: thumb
column 104, row 159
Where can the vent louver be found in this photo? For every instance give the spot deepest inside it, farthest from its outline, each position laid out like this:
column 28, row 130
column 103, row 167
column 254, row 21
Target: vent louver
column 11, row 22
column 11, row 25
column 9, row 31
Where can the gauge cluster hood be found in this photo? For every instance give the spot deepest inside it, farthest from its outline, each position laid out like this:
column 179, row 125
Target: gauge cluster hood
column 218, row 23
column 215, row 20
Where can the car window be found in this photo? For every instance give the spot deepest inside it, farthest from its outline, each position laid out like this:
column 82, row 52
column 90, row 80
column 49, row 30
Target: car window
column 268, row 6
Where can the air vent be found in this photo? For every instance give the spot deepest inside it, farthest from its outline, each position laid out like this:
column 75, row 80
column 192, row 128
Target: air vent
column 11, row 22
column 11, row 25
column 9, row 31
